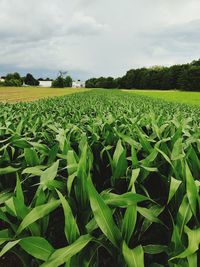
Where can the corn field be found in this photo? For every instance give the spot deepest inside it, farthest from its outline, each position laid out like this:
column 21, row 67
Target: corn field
column 99, row 179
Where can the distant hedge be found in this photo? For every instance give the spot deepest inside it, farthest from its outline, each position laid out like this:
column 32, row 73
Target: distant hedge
column 183, row 77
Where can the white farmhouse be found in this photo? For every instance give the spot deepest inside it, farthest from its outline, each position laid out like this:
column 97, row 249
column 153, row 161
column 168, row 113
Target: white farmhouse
column 2, row 79
column 45, row 83
column 78, row 84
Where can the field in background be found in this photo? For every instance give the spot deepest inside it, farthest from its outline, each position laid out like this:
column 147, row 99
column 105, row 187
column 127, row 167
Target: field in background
column 192, row 98
column 17, row 94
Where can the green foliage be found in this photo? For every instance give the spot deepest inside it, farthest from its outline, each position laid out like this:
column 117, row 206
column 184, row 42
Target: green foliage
column 68, row 81
column 100, row 178
column 61, row 82
column 30, row 80
column 13, row 80
column 13, row 83
column 185, row 77
column 102, row 82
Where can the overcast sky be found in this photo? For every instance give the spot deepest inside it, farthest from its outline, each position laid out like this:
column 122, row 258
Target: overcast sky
column 96, row 37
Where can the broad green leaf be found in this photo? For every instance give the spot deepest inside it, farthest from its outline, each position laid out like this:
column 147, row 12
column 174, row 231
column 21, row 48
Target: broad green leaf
column 192, row 260
column 37, row 213
column 149, row 215
column 184, row 214
column 123, row 200
column 8, row 170
column 119, row 161
column 154, row 249
column 130, row 216
column 36, row 170
column 5, row 195
column 134, row 176
column 4, row 236
column 53, row 154
column 71, row 228
column 177, row 152
column 153, row 213
column 133, row 257
column 10, row 206
column 37, row 247
column 193, row 243
column 8, row 247
column 31, row 157
column 62, row 255
column 19, row 191
column 103, row 215
column 192, row 193
column 129, row 222
column 50, row 173
column 174, row 185
column 81, row 181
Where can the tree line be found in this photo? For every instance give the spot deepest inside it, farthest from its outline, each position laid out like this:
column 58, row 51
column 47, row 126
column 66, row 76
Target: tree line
column 15, row 80
column 183, row 77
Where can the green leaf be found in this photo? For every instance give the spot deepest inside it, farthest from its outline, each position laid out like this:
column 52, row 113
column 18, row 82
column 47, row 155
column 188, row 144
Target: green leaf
column 71, row 228
column 192, row 260
column 174, row 185
column 155, row 249
column 19, row 191
column 53, row 154
column 31, row 157
column 81, row 181
column 8, row 247
column 123, row 200
column 193, row 243
column 4, row 236
column 36, row 171
column 8, row 170
column 62, row 255
column 184, row 214
column 149, row 215
column 103, row 215
column 37, row 247
column 119, row 161
column 133, row 257
column 129, row 222
column 192, row 193
column 177, row 152
column 37, row 213
column 50, row 173
column 5, row 195
column 134, row 176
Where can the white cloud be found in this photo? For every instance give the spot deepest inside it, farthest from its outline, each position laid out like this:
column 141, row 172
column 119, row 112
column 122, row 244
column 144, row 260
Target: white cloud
column 97, row 37
column 85, row 25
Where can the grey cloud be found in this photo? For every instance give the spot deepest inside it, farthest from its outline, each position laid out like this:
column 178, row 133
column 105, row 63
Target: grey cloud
column 85, row 25
column 97, row 37
column 175, row 41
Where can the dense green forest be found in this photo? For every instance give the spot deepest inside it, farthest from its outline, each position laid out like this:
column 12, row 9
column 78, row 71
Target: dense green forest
column 183, row 77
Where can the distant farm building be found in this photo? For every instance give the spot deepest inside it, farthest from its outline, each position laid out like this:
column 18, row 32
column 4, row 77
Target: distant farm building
column 78, row 84
column 2, row 79
column 45, row 83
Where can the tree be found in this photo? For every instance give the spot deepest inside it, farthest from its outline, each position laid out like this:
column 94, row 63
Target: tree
column 91, row 83
column 58, row 82
column 13, row 79
column 184, row 77
column 30, row 80
column 189, row 80
column 13, row 82
column 68, row 81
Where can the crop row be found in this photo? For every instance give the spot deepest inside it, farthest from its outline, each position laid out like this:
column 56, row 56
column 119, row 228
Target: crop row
column 100, row 179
